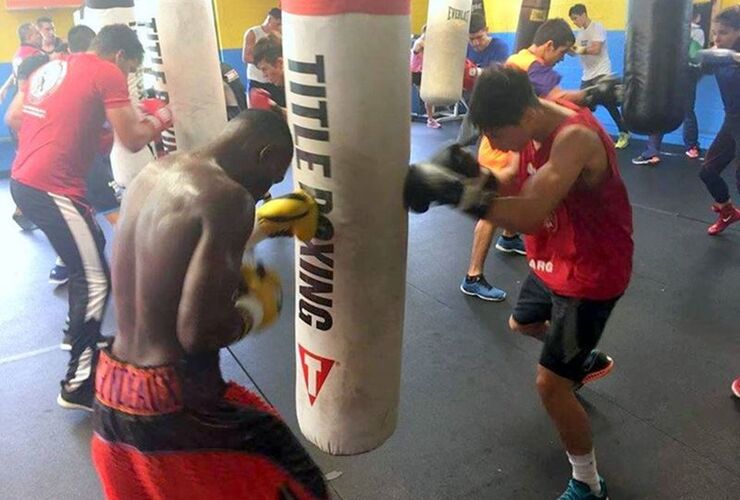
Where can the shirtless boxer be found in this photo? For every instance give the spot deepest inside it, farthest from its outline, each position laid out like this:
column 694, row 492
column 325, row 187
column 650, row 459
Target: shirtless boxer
column 166, row 424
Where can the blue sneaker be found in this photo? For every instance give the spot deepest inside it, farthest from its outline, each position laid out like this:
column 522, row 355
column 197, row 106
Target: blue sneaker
column 578, row 490
column 511, row 245
column 59, row 275
column 479, row 287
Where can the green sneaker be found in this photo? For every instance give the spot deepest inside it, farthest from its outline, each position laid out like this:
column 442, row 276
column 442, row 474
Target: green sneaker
column 623, row 140
column 578, row 490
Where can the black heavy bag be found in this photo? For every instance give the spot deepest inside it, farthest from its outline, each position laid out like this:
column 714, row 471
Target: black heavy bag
column 656, row 65
column 531, row 16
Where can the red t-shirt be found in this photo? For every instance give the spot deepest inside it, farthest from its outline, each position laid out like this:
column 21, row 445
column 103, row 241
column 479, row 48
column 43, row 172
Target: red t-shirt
column 22, row 53
column 63, row 115
column 584, row 248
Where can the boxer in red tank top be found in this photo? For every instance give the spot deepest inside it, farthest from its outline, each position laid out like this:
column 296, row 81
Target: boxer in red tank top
column 573, row 207
column 569, row 200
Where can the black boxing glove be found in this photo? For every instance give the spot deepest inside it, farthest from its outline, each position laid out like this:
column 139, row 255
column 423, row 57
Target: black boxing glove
column 607, row 90
column 451, row 177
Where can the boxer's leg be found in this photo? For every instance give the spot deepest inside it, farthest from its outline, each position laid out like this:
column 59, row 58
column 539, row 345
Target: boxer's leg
column 79, row 241
column 475, row 283
column 533, row 309
column 721, row 153
column 568, row 353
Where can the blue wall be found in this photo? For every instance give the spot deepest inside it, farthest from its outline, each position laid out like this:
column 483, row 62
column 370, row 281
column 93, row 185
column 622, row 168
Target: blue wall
column 709, row 110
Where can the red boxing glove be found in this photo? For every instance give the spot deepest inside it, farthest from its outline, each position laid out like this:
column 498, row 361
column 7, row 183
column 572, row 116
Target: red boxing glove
column 105, row 142
column 471, row 75
column 260, row 99
column 157, row 113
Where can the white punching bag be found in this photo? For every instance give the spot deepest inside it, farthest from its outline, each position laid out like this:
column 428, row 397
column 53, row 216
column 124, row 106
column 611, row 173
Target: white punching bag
column 96, row 14
column 182, row 65
column 445, row 48
column 347, row 83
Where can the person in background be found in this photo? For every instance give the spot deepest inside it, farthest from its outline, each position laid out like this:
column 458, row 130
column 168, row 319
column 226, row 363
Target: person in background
column 483, row 51
column 725, row 149
column 592, row 49
column 651, row 154
column 268, row 58
column 417, row 64
column 272, row 26
column 51, row 41
column 30, row 45
column 60, row 113
column 98, row 191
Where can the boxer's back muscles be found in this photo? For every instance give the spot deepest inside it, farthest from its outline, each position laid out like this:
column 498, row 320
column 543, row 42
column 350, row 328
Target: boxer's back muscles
column 176, row 261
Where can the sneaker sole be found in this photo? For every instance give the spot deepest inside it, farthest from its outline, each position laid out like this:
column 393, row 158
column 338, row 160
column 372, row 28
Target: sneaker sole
column 72, row 406
column 488, row 299
column 592, row 377
column 735, row 391
column 509, row 250
column 58, row 282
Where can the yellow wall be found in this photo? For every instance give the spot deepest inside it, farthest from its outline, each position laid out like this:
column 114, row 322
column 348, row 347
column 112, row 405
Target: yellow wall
column 503, row 15
column 235, row 16
column 10, row 20
column 419, row 10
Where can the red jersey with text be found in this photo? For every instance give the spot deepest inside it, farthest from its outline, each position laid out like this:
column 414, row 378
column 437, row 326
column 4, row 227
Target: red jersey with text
column 63, row 115
column 584, row 247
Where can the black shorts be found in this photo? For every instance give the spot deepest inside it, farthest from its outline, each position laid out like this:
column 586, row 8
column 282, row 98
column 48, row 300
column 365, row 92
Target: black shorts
column 575, row 327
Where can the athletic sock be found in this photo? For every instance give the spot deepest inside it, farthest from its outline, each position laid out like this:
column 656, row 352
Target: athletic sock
column 584, row 470
column 509, row 238
column 471, row 279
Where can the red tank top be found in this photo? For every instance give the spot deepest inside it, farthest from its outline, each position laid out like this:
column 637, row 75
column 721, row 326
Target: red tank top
column 584, row 248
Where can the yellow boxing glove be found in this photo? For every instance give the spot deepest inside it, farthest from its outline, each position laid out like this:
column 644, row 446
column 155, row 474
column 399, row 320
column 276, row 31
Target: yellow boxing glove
column 260, row 297
column 295, row 214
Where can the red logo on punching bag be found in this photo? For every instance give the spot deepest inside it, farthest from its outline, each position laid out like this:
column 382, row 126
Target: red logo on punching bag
column 315, row 370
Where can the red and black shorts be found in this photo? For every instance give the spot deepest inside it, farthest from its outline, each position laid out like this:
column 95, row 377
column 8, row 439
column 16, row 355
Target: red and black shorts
column 149, row 442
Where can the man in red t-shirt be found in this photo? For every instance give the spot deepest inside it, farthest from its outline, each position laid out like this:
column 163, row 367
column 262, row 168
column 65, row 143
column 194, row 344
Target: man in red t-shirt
column 60, row 113
column 572, row 205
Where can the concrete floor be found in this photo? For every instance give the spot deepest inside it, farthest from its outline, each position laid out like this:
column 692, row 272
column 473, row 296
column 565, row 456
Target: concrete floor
column 470, row 425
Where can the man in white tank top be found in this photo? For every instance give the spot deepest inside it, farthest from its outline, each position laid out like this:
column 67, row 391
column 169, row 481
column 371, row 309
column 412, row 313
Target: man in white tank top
column 591, row 47
column 271, row 26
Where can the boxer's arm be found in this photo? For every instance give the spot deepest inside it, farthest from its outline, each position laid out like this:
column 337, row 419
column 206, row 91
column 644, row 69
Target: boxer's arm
column 594, row 48
column 574, row 96
column 6, row 86
column 14, row 115
column 546, row 189
column 207, row 319
column 133, row 133
column 507, row 177
column 248, row 50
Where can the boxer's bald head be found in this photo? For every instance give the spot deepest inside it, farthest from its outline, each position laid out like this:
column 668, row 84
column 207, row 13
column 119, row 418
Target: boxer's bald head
column 255, row 149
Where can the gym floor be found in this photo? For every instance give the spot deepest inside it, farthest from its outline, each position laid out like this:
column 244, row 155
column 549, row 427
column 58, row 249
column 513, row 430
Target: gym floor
column 470, row 424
